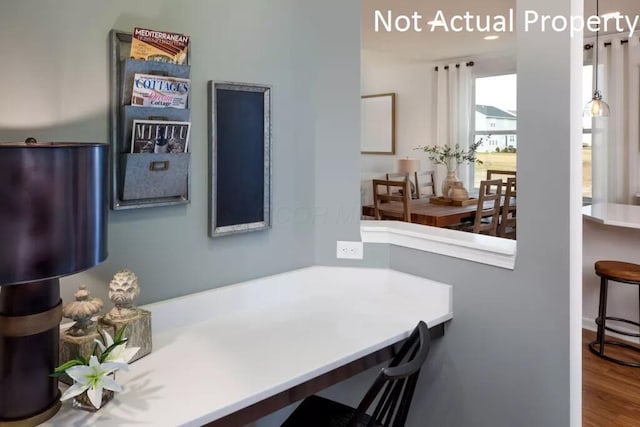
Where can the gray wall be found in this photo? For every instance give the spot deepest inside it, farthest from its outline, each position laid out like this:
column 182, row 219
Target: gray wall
column 57, row 89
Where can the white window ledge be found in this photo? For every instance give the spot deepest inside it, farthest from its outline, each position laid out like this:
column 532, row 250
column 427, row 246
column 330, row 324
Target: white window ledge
column 469, row 246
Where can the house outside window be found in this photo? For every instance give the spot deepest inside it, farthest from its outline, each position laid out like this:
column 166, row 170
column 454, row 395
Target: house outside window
column 496, row 122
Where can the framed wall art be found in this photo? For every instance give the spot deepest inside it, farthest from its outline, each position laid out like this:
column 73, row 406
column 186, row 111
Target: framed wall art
column 378, row 124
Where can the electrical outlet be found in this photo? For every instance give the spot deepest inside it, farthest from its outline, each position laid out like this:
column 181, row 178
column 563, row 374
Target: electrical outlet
column 349, row 250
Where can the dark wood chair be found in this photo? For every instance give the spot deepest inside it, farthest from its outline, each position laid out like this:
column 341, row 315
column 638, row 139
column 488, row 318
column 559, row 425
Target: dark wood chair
column 507, row 226
column 425, row 184
column 393, row 191
column 487, row 214
column 489, row 200
column 390, row 394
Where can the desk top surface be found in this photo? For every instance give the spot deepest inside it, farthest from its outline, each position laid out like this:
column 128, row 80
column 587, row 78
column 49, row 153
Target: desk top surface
column 613, row 214
column 219, row 351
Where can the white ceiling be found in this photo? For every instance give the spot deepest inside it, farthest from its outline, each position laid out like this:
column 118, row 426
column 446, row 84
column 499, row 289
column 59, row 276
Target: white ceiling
column 431, row 46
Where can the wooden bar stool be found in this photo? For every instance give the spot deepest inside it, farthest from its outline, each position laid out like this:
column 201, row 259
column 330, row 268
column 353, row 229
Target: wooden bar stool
column 622, row 272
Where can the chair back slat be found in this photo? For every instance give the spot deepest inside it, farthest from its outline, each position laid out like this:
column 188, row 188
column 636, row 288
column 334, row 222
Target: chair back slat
column 500, row 174
column 395, row 384
column 425, row 184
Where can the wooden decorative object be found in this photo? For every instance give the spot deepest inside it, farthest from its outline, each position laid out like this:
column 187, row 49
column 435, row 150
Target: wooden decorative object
column 73, row 346
column 81, row 310
column 123, row 290
column 78, row 340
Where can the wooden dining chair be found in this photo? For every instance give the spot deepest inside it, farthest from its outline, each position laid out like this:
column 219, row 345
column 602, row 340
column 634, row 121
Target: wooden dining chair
column 389, row 396
column 507, row 226
column 489, row 200
column 385, row 191
column 397, row 176
column 425, row 184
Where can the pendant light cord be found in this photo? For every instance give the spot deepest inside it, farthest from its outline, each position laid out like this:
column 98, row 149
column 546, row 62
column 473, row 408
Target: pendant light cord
column 597, row 44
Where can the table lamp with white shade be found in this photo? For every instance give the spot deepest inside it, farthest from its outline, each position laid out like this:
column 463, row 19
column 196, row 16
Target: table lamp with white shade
column 409, row 167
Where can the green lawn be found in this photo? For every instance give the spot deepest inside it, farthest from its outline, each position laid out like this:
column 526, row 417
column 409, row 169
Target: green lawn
column 507, row 161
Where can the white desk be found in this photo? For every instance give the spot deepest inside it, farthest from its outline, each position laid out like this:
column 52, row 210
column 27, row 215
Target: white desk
column 220, row 351
column 613, row 214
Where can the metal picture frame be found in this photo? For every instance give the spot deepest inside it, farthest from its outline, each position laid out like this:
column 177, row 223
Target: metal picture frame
column 240, row 157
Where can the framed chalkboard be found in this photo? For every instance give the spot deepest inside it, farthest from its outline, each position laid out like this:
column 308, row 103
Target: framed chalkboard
column 240, row 158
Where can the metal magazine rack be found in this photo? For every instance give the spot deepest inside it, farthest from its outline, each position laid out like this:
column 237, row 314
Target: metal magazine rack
column 141, row 180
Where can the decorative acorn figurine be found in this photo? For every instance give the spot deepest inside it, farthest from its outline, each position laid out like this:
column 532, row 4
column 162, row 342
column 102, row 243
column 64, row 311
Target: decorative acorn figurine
column 81, row 311
column 123, row 291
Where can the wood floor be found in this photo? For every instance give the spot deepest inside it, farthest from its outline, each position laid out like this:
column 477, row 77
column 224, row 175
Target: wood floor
column 610, row 392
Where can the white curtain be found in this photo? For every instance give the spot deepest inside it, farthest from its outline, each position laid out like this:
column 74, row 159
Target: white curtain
column 453, row 112
column 616, row 143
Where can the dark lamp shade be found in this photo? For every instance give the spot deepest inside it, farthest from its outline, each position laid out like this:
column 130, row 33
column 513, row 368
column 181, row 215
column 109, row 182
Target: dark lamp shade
column 53, row 210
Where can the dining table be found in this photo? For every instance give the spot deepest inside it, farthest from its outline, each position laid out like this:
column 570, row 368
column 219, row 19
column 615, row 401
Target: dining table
column 426, row 213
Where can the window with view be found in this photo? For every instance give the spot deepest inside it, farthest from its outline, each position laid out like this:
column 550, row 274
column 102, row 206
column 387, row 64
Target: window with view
column 496, row 123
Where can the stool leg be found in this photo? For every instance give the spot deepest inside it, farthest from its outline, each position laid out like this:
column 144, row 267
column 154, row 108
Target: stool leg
column 602, row 313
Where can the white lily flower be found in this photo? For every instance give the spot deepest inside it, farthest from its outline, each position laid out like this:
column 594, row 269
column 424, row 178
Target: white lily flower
column 92, row 379
column 120, row 353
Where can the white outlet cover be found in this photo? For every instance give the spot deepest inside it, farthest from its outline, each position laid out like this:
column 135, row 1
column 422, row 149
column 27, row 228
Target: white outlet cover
column 349, row 250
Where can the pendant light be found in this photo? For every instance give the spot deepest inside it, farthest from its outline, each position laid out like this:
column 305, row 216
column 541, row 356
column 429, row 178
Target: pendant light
column 597, row 107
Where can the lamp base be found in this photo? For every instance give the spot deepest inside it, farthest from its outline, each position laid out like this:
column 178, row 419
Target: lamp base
column 36, row 419
column 30, row 315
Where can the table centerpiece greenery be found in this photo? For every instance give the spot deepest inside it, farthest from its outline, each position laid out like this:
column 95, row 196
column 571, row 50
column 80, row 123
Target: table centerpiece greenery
column 451, row 157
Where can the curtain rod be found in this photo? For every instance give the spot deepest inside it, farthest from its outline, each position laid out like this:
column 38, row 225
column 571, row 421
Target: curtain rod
column 589, row 46
column 468, row 64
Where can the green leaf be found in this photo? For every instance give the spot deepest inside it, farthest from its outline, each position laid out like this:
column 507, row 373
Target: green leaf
column 57, row 374
column 95, row 349
column 73, row 362
column 119, row 334
column 109, row 349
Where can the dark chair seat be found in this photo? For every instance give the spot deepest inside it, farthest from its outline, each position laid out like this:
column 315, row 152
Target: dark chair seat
column 316, row 411
column 389, row 396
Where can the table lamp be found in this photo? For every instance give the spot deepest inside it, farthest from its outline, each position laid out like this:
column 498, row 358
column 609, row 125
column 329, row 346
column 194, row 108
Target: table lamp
column 409, row 167
column 53, row 222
